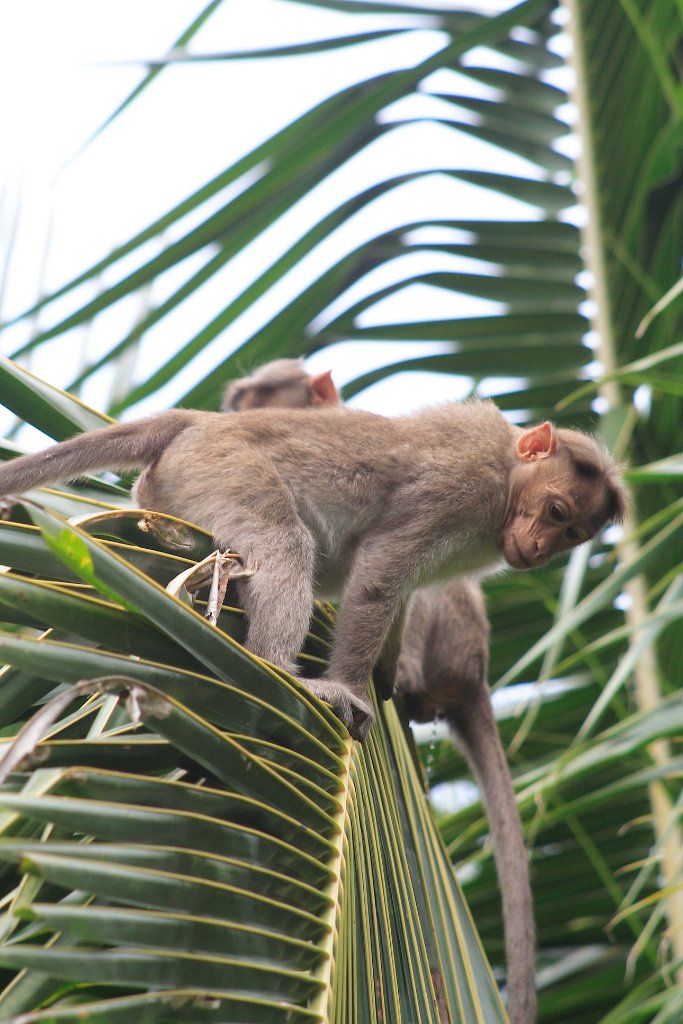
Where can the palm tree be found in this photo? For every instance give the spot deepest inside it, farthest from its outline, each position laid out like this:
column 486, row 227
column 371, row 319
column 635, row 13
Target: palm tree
column 183, row 769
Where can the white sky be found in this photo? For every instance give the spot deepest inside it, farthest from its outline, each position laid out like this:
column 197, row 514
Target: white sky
column 65, row 66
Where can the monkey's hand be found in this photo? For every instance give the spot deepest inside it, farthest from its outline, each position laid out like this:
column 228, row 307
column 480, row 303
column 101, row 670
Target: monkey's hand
column 355, row 712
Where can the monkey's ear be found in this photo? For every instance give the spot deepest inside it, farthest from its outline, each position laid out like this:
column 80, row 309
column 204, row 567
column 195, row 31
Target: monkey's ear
column 322, row 390
column 537, row 443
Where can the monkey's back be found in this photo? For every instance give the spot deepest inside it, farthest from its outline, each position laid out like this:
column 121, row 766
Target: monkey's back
column 440, row 470
column 456, row 451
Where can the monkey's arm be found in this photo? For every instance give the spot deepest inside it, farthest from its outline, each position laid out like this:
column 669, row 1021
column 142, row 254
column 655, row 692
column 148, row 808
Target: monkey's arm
column 371, row 603
column 384, row 672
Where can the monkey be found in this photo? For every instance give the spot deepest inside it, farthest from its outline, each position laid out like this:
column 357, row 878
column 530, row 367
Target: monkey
column 362, row 505
column 283, row 383
column 374, row 508
column 442, row 669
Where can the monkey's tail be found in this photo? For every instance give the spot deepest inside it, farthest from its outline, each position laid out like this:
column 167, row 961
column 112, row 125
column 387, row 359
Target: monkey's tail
column 120, row 446
column 478, row 733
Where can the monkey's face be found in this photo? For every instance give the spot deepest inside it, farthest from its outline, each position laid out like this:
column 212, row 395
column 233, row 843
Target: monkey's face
column 550, row 510
column 560, row 493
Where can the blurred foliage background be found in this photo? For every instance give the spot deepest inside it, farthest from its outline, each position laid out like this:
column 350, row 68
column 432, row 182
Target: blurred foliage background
column 376, row 216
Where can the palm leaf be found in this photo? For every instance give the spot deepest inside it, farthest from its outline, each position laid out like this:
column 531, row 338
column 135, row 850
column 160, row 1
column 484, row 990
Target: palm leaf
column 222, row 809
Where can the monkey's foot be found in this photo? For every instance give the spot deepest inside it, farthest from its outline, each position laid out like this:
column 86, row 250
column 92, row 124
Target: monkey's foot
column 356, row 714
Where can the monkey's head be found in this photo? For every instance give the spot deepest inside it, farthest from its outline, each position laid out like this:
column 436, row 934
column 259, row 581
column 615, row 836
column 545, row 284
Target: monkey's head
column 563, row 488
column 282, row 384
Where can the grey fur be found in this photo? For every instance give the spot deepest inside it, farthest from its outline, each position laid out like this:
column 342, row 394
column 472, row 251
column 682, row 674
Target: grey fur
column 347, row 501
column 329, row 496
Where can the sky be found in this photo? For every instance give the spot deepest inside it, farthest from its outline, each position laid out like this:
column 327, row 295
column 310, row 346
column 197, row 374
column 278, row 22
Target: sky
column 65, row 66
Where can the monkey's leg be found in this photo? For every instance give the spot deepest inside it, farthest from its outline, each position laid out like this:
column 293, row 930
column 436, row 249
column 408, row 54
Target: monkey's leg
column 278, row 599
column 244, row 503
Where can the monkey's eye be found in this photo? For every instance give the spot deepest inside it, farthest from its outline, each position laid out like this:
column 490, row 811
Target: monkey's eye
column 556, row 513
column 573, row 535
